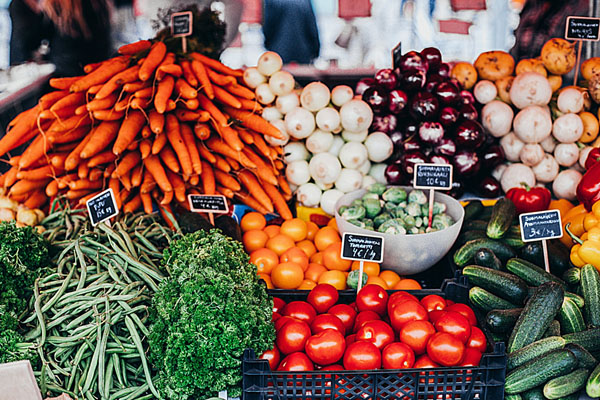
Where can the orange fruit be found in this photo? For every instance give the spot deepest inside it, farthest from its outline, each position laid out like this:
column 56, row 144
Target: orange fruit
column 253, row 220
column 333, row 224
column 307, row 247
column 311, row 230
column 267, row 279
column 314, row 271
column 264, row 259
column 370, row 268
column 335, row 278
column 288, row 275
column 375, row 280
column 271, row 230
column 254, row 239
column 307, row 284
column 408, row 284
column 296, row 255
column 294, row 228
column 317, row 258
column 390, row 278
column 326, row 236
column 332, row 258
column 280, row 243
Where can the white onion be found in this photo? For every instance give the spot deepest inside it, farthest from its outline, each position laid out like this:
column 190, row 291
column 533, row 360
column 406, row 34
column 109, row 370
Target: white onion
column 328, row 200
column 253, row 78
column 531, row 154
column 566, row 154
column 498, row 171
column 515, row 174
column 264, row 95
column 367, row 181
column 355, row 136
column 336, row 146
column 548, row 144
column 287, row 103
column 281, row 83
column 328, row 119
column 567, row 128
column 269, row 63
column 356, row 116
column 299, row 123
column 532, row 124
column 570, row 100
column 295, row 151
column 497, row 117
column 365, row 167
column 353, row 154
column 279, row 124
column 325, row 168
column 349, row 180
column 565, row 184
column 319, row 141
column 324, row 186
column 546, row 170
column 377, row 171
column 309, row 195
column 341, row 94
column 485, row 91
column 271, row 114
column 530, row 89
column 512, row 146
column 379, row 146
column 297, row 172
column 315, row 96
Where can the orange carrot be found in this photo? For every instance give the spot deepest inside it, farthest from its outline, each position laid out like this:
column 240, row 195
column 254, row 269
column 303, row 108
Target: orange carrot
column 185, row 90
column 65, row 147
column 36, row 199
column 254, row 122
column 83, row 200
column 148, row 182
column 52, row 188
column 170, row 159
column 125, row 180
column 115, row 185
column 255, row 189
column 278, row 164
column 108, row 170
column 64, row 180
column 44, row 172
column 278, row 200
column 246, row 136
column 70, row 123
column 191, row 104
column 68, row 137
column 225, row 98
column 208, row 178
column 77, row 194
column 146, row 202
column 81, row 109
column 188, row 74
column 26, row 186
column 144, row 93
column 101, row 74
column 159, row 143
column 169, row 69
column 63, row 83
column 101, row 158
column 163, row 92
column 11, row 139
column 133, row 145
column 222, row 165
column 10, row 177
column 58, row 160
column 73, row 99
column 92, row 66
column 231, row 137
column 135, row 47
column 251, row 202
column 153, row 59
column 216, row 114
column 95, row 174
column 135, row 86
column 139, row 104
column 171, row 105
column 47, row 100
column 136, row 175
column 38, row 148
column 190, row 142
column 178, row 186
column 219, row 146
column 156, row 121
column 108, row 115
column 263, row 171
column 82, row 171
column 186, row 115
column 94, row 89
column 227, row 181
column 124, row 77
column 250, row 105
column 146, row 132
column 133, row 204
column 202, row 131
column 194, row 180
column 167, row 215
column 202, row 76
column 244, row 93
column 85, row 184
column 216, row 65
column 285, row 187
column 233, row 163
column 225, row 192
column 154, row 166
column 123, row 104
column 103, row 103
column 218, row 79
column 176, row 140
column 64, row 112
column 131, row 126
column 126, row 164
column 145, row 148
column 101, row 137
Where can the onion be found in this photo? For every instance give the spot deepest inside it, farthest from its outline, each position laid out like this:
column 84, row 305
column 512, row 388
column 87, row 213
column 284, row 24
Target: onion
column 356, row 115
column 324, row 186
column 309, row 195
column 264, row 95
column 297, row 172
column 253, row 78
column 497, row 117
column 367, row 181
column 531, row 154
column 570, row 100
column 365, row 167
column 353, row 154
column 377, row 171
column 498, row 171
column 565, row 184
column 287, row 103
column 583, row 154
column 295, row 151
column 546, row 170
column 379, row 146
column 341, row 94
column 328, row 200
column 530, row 89
column 281, row 83
column 532, row 124
column 325, row 168
column 328, row 119
column 336, row 146
column 548, row 144
column 319, row 141
column 515, row 174
column 299, row 123
column 566, row 154
column 315, row 96
column 271, row 114
column 279, row 124
column 512, row 146
column 349, row 180
column 269, row 63
column 567, row 128
column 355, row 136
column 485, row 91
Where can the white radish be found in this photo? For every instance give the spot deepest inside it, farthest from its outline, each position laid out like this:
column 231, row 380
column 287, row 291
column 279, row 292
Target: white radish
column 328, row 200
column 315, row 96
column 497, row 117
column 530, row 89
column 281, row 83
column 532, row 124
column 485, row 91
column 309, row 195
column 271, row 114
column 547, row 170
column 336, row 146
column 365, row 168
column 379, row 146
column 264, row 95
column 360, row 137
column 570, row 100
column 353, row 154
column 565, row 184
column 349, row 180
column 566, row 154
column 328, row 119
column 356, row 115
column 531, row 154
column 567, row 128
column 512, row 146
column 287, row 103
column 377, row 171
column 319, row 141
column 269, row 63
column 299, row 123
column 279, row 124
column 367, row 181
column 515, row 174
column 297, row 172
column 548, row 144
column 295, row 151
column 325, row 168
column 252, row 78
column 341, row 94
column 324, row 186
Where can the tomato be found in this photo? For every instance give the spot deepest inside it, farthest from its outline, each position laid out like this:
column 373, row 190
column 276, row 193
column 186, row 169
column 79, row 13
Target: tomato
column 377, row 332
column 292, row 336
column 435, row 315
column 275, row 316
column 345, row 313
column 455, row 324
column 363, row 317
column 416, row 334
column 471, row 358
column 296, row 362
column 433, row 302
column 403, row 312
column 323, row 297
column 425, row 362
column 450, row 302
column 350, row 339
column 372, row 298
column 397, row 355
column 300, row 310
column 464, row 310
column 326, row 347
column 282, row 321
column 399, row 297
column 278, row 304
column 362, row 355
column 332, row 367
column 327, row 321
column 273, row 356
column 477, row 340
column 445, row 349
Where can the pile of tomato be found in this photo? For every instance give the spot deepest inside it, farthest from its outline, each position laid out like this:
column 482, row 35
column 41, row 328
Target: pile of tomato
column 378, row 330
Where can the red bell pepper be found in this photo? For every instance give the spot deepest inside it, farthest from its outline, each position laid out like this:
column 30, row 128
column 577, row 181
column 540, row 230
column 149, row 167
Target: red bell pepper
column 592, row 158
column 528, row 199
column 588, row 190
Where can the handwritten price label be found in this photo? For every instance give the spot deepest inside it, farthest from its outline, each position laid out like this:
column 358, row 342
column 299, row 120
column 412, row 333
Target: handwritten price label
column 102, row 207
column 540, row 225
column 362, row 247
column 433, row 176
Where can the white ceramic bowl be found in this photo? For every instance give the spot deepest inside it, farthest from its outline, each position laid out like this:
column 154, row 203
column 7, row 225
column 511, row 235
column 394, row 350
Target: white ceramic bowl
column 409, row 254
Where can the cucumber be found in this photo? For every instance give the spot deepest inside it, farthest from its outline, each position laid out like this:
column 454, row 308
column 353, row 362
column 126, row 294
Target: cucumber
column 473, row 209
column 502, row 321
column 572, row 276
column 558, row 255
column 585, row 359
column 487, row 301
column 570, row 317
column 471, row 235
column 513, row 397
column 537, row 393
column 553, row 329
column 567, row 384
column 475, row 225
column 534, row 350
column 486, row 214
column 575, row 298
column 503, row 284
column 540, row 370
column 465, row 254
column 531, row 273
column 590, row 285
column 502, row 217
column 574, row 396
column 487, row 258
column 513, row 241
column 515, row 230
column 538, row 313
column 593, row 383
column 588, row 339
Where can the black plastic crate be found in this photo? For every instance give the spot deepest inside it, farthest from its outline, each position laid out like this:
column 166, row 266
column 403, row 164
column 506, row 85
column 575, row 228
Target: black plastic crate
column 465, row 383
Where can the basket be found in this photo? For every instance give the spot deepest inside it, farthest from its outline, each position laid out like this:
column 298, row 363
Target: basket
column 465, row 383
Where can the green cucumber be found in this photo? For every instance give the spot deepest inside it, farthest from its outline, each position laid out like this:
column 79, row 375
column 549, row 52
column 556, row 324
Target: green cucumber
column 538, row 313
column 502, row 321
column 567, row 384
column 487, row 301
column 515, row 396
column 513, row 241
column 465, row 254
column 502, row 217
column 588, row 339
column 486, row 213
column 540, row 370
column 572, row 276
column 575, row 298
column 515, row 230
column 500, row 283
column 558, row 255
column 473, row 209
column 584, row 357
column 487, row 258
column 531, row 273
column 475, row 225
column 534, row 350
column 573, row 396
column 537, row 393
column 553, row 329
column 467, row 236
column 593, row 383
column 570, row 317
column 590, row 285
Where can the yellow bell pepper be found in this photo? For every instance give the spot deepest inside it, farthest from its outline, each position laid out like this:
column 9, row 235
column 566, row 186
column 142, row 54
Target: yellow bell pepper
column 575, row 259
column 588, row 251
column 575, row 223
column 596, row 209
column 589, row 221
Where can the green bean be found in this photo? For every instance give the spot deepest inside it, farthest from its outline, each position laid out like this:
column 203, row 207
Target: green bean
column 119, row 394
column 83, row 269
column 124, row 372
column 138, row 342
column 108, row 382
column 77, row 321
column 101, row 360
column 127, row 239
column 38, row 313
column 136, row 393
column 146, row 243
column 117, row 365
column 94, row 362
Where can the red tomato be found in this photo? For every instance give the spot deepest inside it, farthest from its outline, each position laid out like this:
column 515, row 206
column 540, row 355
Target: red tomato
column 322, row 297
column 350, row 339
column 362, row 355
column 300, row 310
column 372, row 298
column 363, row 317
column 273, row 356
column 278, row 304
column 416, row 334
column 397, row 355
column 403, row 312
column 455, row 324
column 377, row 332
column 275, row 316
column 333, row 367
column 399, row 297
column 450, row 302
column 292, row 336
column 327, row 321
column 435, row 315
column 433, row 302
column 326, row 347
column 345, row 313
column 477, row 340
column 282, row 321
column 296, row 362
column 471, row 358
column 464, row 310
column 425, row 362
column 445, row 349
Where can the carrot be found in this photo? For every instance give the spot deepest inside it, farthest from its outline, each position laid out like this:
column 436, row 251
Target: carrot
column 103, row 103
column 250, row 105
column 68, row 137
column 108, row 170
column 94, row 89
column 12, row 137
column 185, row 90
column 218, row 79
column 190, row 143
column 170, row 159
column 153, row 59
column 278, row 165
column 251, row 202
column 227, row 181
column 156, row 121
column 81, row 109
column 136, row 175
column 225, row 192
column 154, row 166
column 178, row 186
column 219, row 146
column 133, row 204
column 284, row 186
column 188, row 74
column 115, row 185
column 10, row 177
column 70, row 123
column 194, row 180
column 215, row 113
column 38, row 148
column 171, row 105
column 146, row 202
column 95, row 174
column 82, row 171
column 168, row 60
column 231, row 137
column 83, row 200
column 250, row 182
column 35, row 199
column 73, row 99
column 278, row 201
column 92, row 66
column 254, row 122
column 148, row 182
column 47, row 100
column 243, row 92
column 77, row 194
column 58, row 160
column 159, row 142
column 176, row 140
column 63, row 83
column 216, row 65
column 101, row 158
column 102, row 136
column 263, row 170
column 101, row 74
column 233, row 163
column 191, row 104
column 144, row 93
column 202, row 131
column 131, row 126
column 139, row 104
column 187, row 115
column 145, row 148
column 64, row 180
column 246, row 136
column 222, row 165
column 63, row 112
column 47, row 171
column 123, row 104
column 52, row 188
column 167, row 215
column 169, row 69
column 133, row 145
column 68, row 147
column 261, row 145
column 25, row 186
column 85, row 184
column 208, row 178
column 135, row 47
column 202, row 76
column 163, row 92
column 127, row 163
column 135, row 86
column 125, row 180
column 108, row 115
column 146, row 132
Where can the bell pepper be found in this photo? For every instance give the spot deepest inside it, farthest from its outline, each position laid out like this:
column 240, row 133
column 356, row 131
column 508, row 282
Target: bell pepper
column 588, row 189
column 587, row 251
column 592, row 158
column 562, row 205
column 528, row 199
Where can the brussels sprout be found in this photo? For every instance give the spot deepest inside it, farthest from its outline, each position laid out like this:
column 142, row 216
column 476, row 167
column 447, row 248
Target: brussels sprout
column 357, row 222
column 431, row 229
column 352, row 280
column 413, row 209
column 377, row 188
column 414, row 230
column 342, row 209
column 439, row 208
column 393, row 227
column 357, row 202
column 409, row 221
column 372, row 206
column 394, row 194
column 424, row 210
column 441, row 221
column 380, row 219
column 420, row 221
column 368, row 223
column 417, row 196
column 399, row 212
column 389, row 207
column 402, row 204
column 370, row 196
column 354, row 212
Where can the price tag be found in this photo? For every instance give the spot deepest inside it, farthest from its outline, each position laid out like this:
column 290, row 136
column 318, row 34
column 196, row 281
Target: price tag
column 181, row 24
column 362, row 247
column 540, row 225
column 102, row 207
column 433, row 176
column 208, row 203
column 582, row 28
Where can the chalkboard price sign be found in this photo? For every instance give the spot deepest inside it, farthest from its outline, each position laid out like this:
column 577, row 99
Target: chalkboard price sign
column 208, row 203
column 181, row 23
column 433, row 176
column 102, row 207
column 362, row 247
column 540, row 225
column 582, row 28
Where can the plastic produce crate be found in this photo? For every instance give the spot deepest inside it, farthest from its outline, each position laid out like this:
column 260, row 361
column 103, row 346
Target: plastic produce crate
column 465, row 383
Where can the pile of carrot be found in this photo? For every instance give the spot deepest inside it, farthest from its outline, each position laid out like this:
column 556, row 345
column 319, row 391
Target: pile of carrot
column 152, row 126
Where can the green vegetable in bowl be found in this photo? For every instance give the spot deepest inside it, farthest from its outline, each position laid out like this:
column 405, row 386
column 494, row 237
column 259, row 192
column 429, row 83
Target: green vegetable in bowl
column 352, row 280
column 357, row 203
column 370, row 196
column 358, row 222
column 372, row 207
column 417, row 196
column 394, row 194
column 380, row 219
column 377, row 188
column 393, row 226
column 413, row 209
column 354, row 212
column 441, row 221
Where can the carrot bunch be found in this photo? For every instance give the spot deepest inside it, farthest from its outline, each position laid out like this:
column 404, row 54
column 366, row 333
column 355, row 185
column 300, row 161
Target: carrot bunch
column 152, row 126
